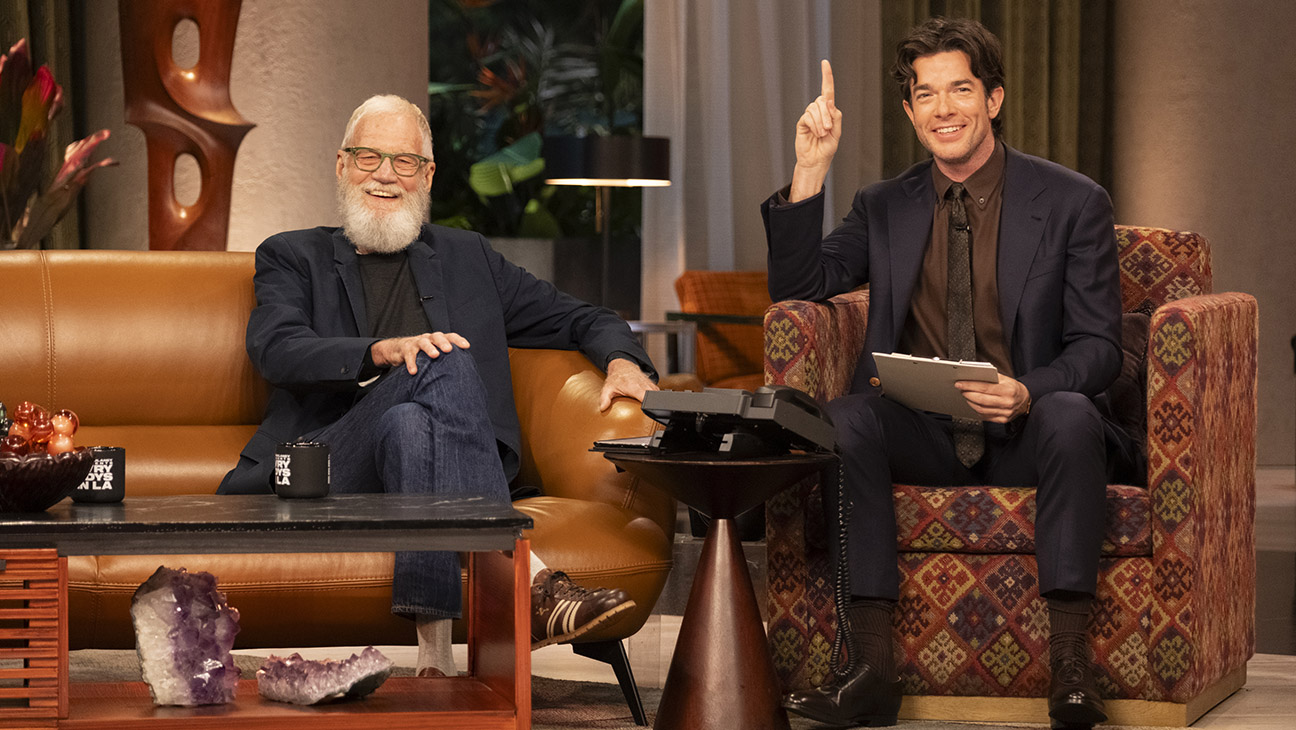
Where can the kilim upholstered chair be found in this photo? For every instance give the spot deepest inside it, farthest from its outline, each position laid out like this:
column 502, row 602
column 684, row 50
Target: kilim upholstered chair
column 1173, row 626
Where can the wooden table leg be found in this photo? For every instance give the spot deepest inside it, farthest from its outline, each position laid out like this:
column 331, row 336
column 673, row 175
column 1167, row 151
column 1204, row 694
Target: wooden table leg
column 721, row 675
column 499, row 624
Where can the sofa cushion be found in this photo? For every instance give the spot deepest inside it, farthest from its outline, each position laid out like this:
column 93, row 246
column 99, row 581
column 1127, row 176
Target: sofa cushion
column 996, row 520
column 979, row 627
column 131, row 337
column 166, row 460
column 346, row 597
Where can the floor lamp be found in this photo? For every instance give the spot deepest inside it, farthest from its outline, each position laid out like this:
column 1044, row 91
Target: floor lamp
column 605, row 163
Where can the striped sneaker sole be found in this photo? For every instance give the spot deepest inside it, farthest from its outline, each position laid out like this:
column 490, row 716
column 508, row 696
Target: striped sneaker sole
column 560, row 620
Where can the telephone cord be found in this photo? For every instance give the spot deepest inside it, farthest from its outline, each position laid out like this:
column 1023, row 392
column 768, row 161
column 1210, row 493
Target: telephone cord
column 841, row 589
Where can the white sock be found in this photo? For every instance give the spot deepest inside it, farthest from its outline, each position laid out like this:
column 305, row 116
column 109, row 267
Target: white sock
column 434, row 645
column 537, row 565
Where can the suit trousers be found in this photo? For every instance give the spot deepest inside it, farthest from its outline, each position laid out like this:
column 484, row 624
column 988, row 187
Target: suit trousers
column 1059, row 448
column 427, row 433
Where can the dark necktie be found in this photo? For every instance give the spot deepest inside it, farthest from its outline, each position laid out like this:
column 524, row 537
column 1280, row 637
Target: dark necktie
column 969, row 439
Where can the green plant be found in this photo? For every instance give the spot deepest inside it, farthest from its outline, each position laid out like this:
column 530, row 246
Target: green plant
column 28, row 102
column 506, row 73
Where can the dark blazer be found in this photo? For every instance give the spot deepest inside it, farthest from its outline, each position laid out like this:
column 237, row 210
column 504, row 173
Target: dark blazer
column 309, row 332
column 1059, row 287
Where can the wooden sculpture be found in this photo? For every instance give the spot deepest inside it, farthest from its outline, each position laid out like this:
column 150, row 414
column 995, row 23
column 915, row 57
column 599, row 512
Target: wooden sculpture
column 183, row 111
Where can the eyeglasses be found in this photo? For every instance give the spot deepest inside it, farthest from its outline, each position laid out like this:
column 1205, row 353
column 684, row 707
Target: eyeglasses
column 368, row 159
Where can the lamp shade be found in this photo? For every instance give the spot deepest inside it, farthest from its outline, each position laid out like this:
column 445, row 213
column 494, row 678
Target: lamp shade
column 620, row 161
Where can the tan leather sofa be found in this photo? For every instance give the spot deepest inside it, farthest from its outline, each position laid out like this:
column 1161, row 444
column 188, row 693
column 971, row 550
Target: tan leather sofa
column 147, row 347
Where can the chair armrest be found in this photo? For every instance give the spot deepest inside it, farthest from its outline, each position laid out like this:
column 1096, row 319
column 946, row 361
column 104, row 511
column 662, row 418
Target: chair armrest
column 815, row 346
column 1202, row 380
column 709, row 318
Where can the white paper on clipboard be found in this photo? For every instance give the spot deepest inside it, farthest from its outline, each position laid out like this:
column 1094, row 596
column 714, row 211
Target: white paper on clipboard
column 927, row 384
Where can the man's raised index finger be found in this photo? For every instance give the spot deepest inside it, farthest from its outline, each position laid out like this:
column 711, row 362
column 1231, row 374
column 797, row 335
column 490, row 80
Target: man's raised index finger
column 826, row 88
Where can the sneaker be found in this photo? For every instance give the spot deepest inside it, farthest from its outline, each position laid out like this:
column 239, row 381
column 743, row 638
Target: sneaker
column 562, row 610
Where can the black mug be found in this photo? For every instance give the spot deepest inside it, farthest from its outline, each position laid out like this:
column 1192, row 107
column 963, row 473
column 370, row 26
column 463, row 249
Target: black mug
column 106, row 481
column 301, row 470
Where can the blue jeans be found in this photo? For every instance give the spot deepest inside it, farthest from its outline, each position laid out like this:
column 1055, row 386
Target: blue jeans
column 427, row 433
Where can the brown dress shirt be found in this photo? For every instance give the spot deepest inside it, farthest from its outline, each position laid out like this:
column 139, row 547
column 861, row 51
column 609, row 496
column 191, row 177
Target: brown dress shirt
column 925, row 328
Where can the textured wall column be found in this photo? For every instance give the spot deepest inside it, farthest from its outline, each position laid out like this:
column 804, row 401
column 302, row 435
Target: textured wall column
column 299, row 68
column 1204, row 112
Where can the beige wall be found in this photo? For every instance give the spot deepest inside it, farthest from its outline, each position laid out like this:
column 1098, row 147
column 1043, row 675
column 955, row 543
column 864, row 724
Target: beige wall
column 1205, row 110
column 299, row 68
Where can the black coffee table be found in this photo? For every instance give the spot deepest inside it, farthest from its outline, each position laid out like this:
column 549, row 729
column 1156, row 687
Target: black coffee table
column 257, row 523
column 496, row 694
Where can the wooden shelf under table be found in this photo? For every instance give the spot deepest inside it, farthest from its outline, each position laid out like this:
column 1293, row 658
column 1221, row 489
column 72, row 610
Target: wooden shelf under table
column 496, row 694
column 402, row 702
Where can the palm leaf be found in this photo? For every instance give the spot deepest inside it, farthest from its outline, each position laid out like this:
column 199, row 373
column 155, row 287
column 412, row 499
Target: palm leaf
column 497, row 173
column 436, row 88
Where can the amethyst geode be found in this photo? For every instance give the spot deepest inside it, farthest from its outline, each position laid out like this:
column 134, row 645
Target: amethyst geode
column 306, row 682
column 184, row 630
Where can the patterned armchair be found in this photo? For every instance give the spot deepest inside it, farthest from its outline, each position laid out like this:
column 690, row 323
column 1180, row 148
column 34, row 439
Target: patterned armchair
column 1173, row 624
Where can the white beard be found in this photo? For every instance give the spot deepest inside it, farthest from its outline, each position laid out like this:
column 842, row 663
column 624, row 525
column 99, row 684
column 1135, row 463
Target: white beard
column 382, row 233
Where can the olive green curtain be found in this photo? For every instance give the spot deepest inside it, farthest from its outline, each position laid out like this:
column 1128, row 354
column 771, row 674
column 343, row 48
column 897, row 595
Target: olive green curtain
column 1057, row 88
column 47, row 27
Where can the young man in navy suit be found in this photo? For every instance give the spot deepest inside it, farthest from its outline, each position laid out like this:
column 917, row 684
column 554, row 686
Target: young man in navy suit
column 982, row 253
column 387, row 339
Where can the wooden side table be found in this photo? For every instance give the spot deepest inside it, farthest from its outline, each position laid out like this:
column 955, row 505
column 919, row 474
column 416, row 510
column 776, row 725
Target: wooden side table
column 721, row 675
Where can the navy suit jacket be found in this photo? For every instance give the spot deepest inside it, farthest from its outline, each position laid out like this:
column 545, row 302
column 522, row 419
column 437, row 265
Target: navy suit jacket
column 1059, row 287
column 309, row 332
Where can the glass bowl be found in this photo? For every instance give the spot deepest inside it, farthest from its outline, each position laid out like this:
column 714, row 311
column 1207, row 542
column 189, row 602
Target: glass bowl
column 36, row 482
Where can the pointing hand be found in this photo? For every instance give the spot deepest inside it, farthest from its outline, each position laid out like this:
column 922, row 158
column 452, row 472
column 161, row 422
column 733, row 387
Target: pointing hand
column 817, row 133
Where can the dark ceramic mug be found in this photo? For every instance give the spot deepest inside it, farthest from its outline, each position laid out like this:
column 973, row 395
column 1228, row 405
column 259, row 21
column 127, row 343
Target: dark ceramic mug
column 106, row 481
column 301, row 470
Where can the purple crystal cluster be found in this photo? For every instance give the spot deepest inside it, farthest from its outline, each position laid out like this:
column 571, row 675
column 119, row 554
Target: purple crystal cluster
column 184, row 630
column 307, row 682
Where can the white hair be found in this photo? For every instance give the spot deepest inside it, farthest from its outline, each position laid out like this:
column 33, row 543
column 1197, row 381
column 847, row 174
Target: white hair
column 389, row 104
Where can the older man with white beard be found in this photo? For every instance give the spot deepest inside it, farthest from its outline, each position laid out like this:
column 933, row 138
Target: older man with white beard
column 387, row 340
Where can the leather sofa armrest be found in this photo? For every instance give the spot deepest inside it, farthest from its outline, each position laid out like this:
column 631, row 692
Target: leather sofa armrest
column 814, row 346
column 557, row 396
column 1202, row 381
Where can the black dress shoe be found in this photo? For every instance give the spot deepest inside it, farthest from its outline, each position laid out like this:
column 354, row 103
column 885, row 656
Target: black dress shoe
column 863, row 698
column 1073, row 695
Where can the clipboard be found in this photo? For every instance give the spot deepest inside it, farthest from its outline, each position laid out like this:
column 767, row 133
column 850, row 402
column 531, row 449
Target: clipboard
column 927, row 383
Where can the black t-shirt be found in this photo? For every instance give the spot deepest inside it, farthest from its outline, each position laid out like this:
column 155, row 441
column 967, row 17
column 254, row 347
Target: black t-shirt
column 391, row 298
column 391, row 301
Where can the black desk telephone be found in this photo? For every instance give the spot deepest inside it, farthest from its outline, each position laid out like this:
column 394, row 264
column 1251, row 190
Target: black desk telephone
column 732, row 423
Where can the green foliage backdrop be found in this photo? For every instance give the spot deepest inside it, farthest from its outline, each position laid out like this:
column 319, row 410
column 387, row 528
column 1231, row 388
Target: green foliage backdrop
column 506, row 72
